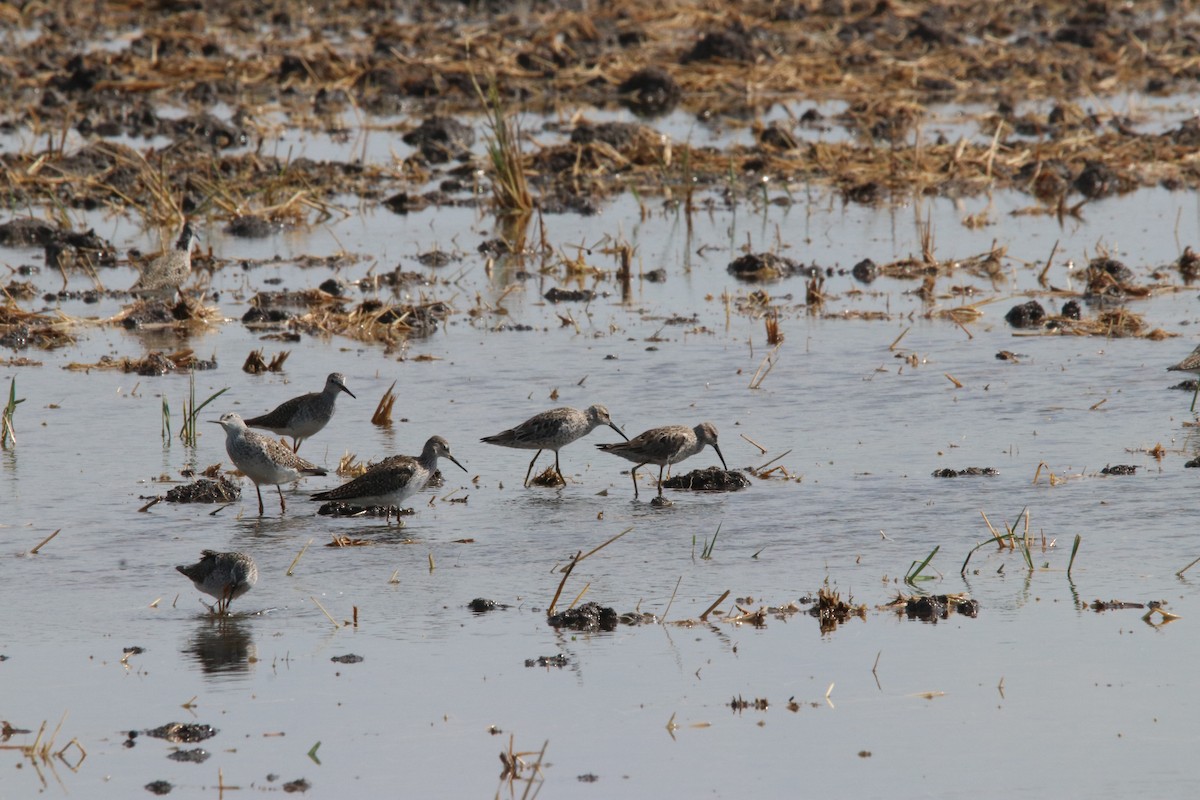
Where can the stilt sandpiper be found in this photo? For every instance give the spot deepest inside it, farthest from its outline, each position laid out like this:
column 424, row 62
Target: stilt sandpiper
column 303, row 416
column 663, row 446
column 552, row 430
column 163, row 276
column 393, row 480
column 225, row 576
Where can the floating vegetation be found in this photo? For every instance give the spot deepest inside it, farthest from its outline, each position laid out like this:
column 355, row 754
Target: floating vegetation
column 831, row 610
column 153, row 364
column 256, row 365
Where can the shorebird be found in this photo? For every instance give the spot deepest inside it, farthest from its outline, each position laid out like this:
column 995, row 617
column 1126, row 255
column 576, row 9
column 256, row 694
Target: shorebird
column 163, row 276
column 1190, row 364
column 552, row 430
column 393, row 480
column 262, row 459
column 303, row 416
column 225, row 576
column 667, row 445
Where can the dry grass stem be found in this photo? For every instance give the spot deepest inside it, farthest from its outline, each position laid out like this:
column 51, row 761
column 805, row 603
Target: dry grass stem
column 296, row 560
column 383, row 412
column 39, row 545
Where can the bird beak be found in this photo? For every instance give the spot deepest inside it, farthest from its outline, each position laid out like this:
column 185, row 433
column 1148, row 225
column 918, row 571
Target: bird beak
column 723, row 464
column 618, row 430
column 347, row 391
column 213, row 421
column 455, row 460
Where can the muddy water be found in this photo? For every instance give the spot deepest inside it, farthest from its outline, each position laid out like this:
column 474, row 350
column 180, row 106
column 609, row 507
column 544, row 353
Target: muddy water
column 1102, row 704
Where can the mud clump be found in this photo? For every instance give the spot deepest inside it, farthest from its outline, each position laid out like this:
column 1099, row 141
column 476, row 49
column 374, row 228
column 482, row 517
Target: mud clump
column 349, row 658
column 650, row 91
column 197, row 755
column 440, row 139
column 337, row 508
column 1119, row 469
column 557, row 295
column 763, row 267
column 559, row 661
column 589, row 617
column 969, row 471
column 710, row 479
column 931, row 608
column 183, row 732
column 158, row 787
column 205, row 491
column 1026, row 315
column 480, row 606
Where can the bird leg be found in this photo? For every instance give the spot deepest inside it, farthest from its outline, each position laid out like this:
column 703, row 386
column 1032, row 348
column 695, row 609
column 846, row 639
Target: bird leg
column 660, row 473
column 282, row 505
column 296, row 444
column 633, row 473
column 561, row 479
column 529, row 471
column 1195, row 392
column 260, row 505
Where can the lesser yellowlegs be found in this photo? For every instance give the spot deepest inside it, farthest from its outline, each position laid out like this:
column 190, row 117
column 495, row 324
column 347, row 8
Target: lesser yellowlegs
column 667, row 445
column 163, row 276
column 393, row 480
column 1190, row 364
column 225, row 576
column 552, row 430
column 262, row 459
column 303, row 416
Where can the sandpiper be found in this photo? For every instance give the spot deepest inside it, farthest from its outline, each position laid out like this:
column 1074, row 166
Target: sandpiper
column 552, row 430
column 393, row 480
column 1190, row 364
column 303, row 416
column 163, row 276
column 225, row 576
column 667, row 445
column 262, row 459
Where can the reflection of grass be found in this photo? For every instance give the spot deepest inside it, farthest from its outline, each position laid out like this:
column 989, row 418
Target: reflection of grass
column 509, row 188
column 190, row 411
column 166, row 420
column 7, row 431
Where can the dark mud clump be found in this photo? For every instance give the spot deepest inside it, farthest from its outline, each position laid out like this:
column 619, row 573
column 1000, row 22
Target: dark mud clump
column 337, row 508
column 249, row 226
column 480, row 605
column 205, row 490
column 557, row 295
column 197, row 755
column 763, row 267
column 298, row 785
column 440, row 139
column 710, row 479
column 1195, row 462
column 183, row 732
column 865, row 271
column 159, row 787
column 650, row 91
column 931, row 608
column 588, row 617
column 949, row 473
column 1119, row 469
column 1026, row 315
column 349, row 658
column 559, row 661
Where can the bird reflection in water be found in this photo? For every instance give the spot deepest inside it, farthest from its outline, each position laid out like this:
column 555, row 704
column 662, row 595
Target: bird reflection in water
column 222, row 645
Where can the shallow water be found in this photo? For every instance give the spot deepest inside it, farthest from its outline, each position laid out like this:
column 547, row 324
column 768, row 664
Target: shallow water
column 1102, row 703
